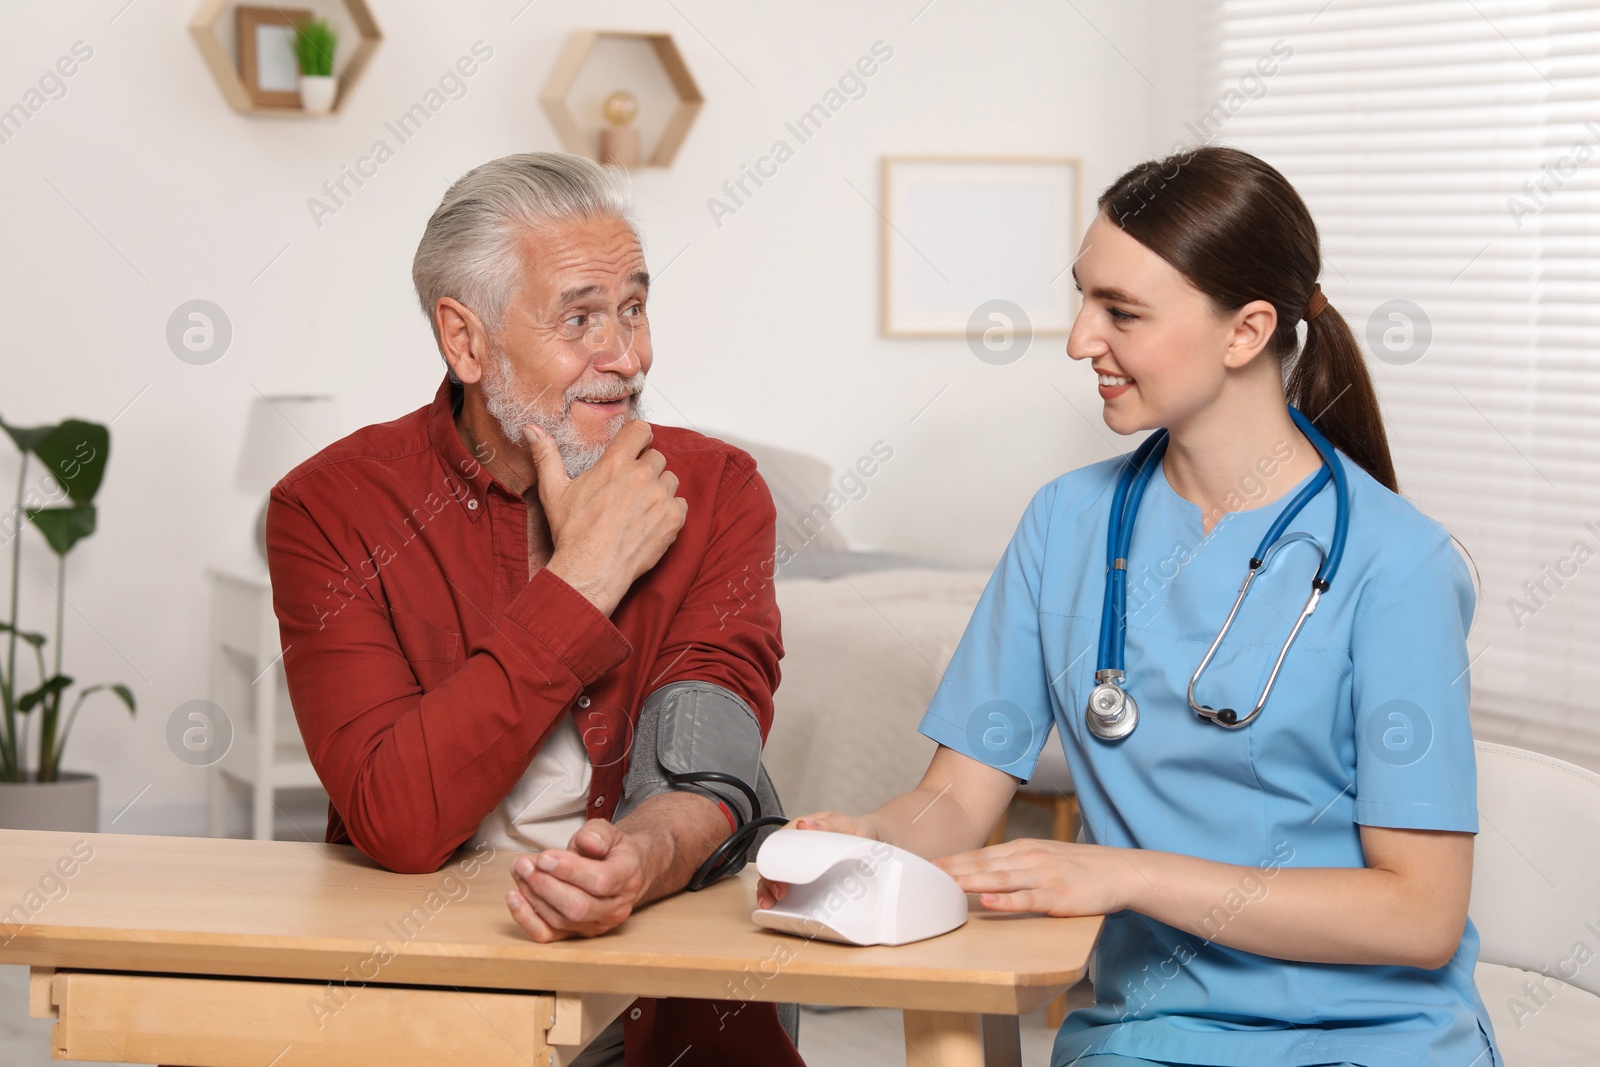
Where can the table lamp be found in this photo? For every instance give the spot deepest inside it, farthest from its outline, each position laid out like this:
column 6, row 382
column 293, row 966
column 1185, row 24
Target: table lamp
column 279, row 433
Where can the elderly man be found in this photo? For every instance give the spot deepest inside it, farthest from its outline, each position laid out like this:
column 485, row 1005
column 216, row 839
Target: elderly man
column 504, row 615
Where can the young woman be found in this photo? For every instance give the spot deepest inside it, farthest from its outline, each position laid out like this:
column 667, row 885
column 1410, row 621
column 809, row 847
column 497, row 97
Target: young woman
column 1285, row 886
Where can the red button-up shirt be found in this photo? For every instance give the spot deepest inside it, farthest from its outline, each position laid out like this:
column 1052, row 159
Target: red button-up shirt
column 426, row 668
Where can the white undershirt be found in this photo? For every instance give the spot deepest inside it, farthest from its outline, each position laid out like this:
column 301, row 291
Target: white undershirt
column 548, row 803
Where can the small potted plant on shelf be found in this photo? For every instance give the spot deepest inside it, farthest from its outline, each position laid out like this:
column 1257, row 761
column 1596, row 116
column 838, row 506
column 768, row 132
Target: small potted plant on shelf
column 314, row 45
column 43, row 796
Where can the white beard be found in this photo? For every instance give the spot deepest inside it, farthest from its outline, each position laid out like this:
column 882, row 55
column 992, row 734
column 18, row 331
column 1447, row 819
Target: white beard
column 502, row 399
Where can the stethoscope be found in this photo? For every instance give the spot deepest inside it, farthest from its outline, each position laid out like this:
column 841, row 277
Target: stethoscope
column 1112, row 712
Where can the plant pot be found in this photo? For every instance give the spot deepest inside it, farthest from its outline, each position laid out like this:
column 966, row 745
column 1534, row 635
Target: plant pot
column 317, row 93
column 71, row 803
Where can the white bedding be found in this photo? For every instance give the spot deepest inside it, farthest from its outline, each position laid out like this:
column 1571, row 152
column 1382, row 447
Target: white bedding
column 863, row 654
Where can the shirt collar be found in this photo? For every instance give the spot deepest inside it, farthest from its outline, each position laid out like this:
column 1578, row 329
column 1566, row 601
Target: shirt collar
column 468, row 480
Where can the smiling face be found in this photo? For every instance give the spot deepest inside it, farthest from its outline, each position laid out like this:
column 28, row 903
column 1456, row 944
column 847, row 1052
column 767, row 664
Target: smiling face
column 574, row 349
column 1162, row 350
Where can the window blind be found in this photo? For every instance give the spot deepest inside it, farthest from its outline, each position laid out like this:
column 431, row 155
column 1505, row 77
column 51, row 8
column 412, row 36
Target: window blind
column 1450, row 152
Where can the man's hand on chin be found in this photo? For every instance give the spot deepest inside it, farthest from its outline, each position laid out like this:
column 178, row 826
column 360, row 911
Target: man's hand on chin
column 584, row 890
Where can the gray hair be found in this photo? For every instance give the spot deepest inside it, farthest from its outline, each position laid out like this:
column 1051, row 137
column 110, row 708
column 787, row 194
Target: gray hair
column 469, row 249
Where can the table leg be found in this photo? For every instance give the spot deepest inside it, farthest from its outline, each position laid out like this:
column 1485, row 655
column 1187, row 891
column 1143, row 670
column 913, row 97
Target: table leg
column 578, row 1018
column 1002, row 1041
column 944, row 1039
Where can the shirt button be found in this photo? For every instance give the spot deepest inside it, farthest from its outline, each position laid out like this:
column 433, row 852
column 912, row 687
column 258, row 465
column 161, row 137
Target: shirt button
column 472, row 503
column 583, row 700
column 635, row 1013
column 600, row 800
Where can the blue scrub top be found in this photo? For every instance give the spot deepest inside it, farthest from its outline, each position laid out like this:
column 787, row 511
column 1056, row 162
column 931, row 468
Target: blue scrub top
column 1367, row 725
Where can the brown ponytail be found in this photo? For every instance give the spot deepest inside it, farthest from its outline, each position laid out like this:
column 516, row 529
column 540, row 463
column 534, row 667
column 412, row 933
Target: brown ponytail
column 1329, row 382
column 1237, row 230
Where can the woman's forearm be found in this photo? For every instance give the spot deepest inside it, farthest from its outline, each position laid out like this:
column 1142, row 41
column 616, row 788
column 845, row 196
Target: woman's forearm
column 927, row 821
column 1316, row 915
column 952, row 809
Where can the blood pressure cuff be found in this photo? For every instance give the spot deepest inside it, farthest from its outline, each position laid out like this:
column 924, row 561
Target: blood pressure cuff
column 695, row 726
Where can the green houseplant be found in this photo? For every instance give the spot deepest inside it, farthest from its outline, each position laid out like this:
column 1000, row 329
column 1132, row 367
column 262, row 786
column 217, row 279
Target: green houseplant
column 314, row 45
column 74, row 454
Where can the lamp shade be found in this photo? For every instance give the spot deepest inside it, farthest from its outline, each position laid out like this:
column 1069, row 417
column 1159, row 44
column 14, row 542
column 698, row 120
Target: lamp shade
column 279, row 432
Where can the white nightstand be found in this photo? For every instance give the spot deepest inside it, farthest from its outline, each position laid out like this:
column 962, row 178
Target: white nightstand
column 247, row 682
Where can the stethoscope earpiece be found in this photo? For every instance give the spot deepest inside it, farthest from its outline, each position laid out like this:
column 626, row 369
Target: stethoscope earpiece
column 1226, row 717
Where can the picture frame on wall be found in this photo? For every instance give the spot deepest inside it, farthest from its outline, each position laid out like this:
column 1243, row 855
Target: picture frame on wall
column 969, row 242
column 267, row 61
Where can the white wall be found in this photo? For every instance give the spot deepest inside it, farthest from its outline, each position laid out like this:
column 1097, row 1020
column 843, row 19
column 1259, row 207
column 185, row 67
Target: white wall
column 140, row 189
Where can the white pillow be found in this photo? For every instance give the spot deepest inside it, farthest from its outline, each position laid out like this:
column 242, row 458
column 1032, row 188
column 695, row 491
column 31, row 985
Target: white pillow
column 799, row 484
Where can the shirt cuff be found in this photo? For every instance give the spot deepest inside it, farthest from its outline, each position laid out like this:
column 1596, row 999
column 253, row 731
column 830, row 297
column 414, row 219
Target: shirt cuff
column 564, row 621
column 960, row 739
column 1402, row 815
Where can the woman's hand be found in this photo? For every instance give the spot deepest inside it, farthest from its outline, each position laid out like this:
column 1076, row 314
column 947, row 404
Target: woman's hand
column 1053, row 877
column 769, row 893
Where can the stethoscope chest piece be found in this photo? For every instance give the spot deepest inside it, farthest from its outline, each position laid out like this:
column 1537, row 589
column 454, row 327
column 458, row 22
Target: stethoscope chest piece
column 1112, row 712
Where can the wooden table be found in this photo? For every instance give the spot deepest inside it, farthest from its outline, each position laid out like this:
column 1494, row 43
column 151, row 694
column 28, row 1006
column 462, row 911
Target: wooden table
column 220, row 952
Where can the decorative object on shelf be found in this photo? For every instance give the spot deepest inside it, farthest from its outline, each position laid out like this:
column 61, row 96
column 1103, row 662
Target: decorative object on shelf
column 44, row 797
column 619, row 141
column 241, row 83
column 265, row 37
column 978, row 247
column 279, row 433
column 315, row 44
column 575, row 138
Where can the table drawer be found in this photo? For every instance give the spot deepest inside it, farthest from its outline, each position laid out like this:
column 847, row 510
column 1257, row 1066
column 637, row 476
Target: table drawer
column 223, row 1022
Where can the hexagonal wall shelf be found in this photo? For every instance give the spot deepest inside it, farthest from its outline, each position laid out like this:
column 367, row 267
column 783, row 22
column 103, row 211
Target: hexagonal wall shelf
column 203, row 28
column 571, row 61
